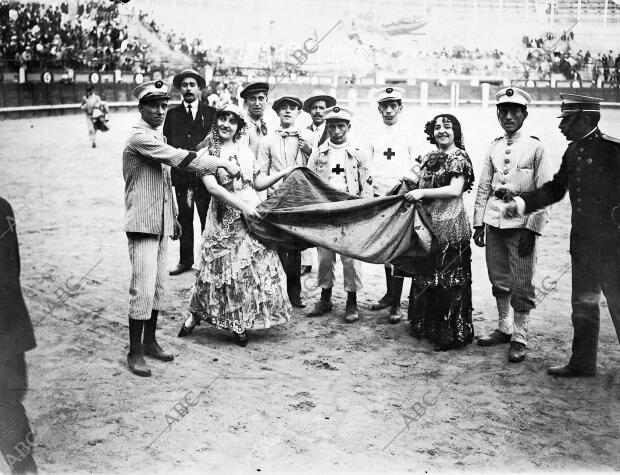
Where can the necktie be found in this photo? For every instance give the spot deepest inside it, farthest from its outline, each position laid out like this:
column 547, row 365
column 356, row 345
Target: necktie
column 189, row 113
column 263, row 127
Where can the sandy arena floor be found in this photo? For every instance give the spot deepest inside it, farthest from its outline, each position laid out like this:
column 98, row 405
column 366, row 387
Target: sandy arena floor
column 314, row 395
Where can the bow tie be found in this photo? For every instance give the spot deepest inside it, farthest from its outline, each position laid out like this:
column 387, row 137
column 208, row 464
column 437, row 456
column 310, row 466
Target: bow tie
column 288, row 133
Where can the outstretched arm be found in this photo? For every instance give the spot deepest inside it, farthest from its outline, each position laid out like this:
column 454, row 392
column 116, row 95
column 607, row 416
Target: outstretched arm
column 453, row 190
column 262, row 181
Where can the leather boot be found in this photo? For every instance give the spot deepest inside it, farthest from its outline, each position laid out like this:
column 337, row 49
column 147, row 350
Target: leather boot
column 135, row 357
column 351, row 313
column 323, row 306
column 386, row 300
column 150, row 346
column 397, row 290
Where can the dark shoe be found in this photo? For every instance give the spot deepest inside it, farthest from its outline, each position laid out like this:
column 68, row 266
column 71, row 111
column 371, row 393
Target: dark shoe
column 566, row 371
column 517, row 352
column 187, row 330
column 439, row 347
column 306, row 270
column 180, row 268
column 154, row 351
column 297, row 302
column 395, row 315
column 496, row 338
column 241, row 338
column 137, row 365
column 320, row 308
column 384, row 302
column 94, row 145
column 351, row 313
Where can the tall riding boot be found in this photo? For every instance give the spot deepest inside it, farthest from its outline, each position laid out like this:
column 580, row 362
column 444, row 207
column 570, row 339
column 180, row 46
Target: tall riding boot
column 386, row 300
column 135, row 357
column 151, row 347
column 397, row 290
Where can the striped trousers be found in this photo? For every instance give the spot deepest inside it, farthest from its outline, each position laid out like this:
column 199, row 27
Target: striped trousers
column 511, row 278
column 148, row 254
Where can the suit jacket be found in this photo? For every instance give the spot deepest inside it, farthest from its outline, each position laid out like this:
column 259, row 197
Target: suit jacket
column 149, row 205
column 323, row 137
column 590, row 171
column 180, row 132
column 16, row 333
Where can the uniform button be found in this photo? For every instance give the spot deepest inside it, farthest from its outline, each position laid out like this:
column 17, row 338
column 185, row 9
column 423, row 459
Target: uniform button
column 507, row 160
column 579, row 210
column 506, row 172
column 508, row 151
column 578, row 190
column 581, row 149
column 578, row 159
column 188, row 135
column 578, row 200
column 578, row 179
column 589, row 161
column 577, row 169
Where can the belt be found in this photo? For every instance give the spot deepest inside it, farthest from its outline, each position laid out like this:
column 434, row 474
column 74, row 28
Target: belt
column 504, row 194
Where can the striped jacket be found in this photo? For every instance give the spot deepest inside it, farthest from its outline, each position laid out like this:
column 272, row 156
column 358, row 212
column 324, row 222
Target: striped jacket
column 149, row 203
column 519, row 164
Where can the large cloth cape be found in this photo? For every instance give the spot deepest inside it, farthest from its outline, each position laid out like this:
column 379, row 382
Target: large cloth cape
column 306, row 212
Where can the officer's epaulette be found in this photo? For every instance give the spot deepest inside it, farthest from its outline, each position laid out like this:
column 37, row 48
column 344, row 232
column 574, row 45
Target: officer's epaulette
column 534, row 137
column 610, row 139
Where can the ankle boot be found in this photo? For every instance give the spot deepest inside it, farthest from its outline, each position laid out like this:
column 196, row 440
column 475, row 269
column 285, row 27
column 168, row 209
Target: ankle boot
column 386, row 300
column 150, row 346
column 135, row 358
column 397, row 290
column 351, row 313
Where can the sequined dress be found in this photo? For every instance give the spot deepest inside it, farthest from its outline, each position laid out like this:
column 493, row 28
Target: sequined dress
column 240, row 284
column 440, row 304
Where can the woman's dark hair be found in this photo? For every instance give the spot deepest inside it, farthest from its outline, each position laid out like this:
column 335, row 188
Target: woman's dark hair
column 429, row 129
column 240, row 121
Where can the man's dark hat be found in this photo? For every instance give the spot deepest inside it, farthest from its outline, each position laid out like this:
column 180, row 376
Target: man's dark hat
column 191, row 73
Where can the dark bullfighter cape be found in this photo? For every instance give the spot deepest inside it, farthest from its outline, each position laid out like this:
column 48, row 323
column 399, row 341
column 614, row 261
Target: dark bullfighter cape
column 306, row 212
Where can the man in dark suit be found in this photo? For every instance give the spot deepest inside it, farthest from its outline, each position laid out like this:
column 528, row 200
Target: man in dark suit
column 590, row 172
column 16, row 337
column 185, row 127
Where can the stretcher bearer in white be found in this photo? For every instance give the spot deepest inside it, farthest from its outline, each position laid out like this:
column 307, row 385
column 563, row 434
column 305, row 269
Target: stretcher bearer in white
column 345, row 168
column 391, row 158
column 515, row 163
column 150, row 216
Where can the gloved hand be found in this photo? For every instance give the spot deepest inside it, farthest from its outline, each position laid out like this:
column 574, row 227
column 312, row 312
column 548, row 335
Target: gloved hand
column 526, row 242
column 479, row 236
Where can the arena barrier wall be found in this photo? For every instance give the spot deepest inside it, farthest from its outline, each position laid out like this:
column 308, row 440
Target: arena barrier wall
column 37, row 99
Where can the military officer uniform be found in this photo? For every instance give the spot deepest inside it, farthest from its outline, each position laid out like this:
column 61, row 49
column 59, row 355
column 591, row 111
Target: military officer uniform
column 590, row 171
column 514, row 164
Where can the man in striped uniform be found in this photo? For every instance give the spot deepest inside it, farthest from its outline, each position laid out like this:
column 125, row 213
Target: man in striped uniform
column 516, row 163
column 150, row 216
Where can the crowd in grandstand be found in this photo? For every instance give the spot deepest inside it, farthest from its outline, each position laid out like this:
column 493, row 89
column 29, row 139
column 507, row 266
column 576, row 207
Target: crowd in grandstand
column 38, row 35
column 94, row 37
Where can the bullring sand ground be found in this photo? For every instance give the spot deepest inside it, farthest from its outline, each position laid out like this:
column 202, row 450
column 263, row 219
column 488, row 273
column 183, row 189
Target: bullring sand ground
column 313, row 395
